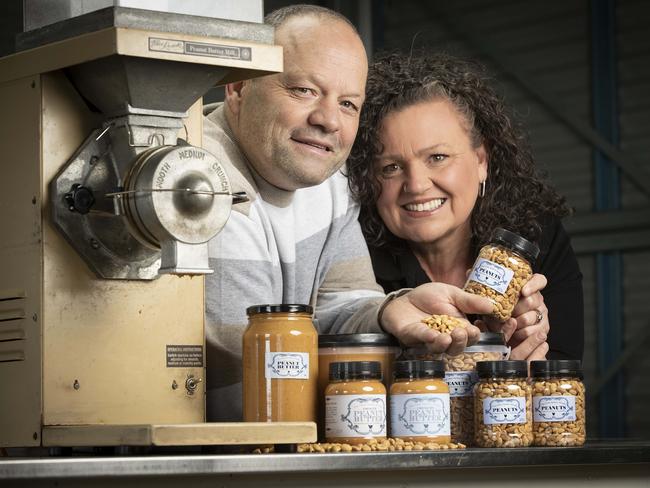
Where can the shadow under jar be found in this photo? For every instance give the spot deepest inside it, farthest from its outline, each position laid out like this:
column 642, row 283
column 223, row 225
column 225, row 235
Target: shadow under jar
column 280, row 362
column 502, row 405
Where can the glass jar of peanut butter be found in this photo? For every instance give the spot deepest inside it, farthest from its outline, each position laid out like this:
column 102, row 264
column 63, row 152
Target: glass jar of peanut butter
column 461, row 376
column 353, row 347
column 502, row 405
column 419, row 402
column 501, row 269
column 280, row 363
column 558, row 403
column 355, row 403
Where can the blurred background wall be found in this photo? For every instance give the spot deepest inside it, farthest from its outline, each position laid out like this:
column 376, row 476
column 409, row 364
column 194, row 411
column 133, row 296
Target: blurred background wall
column 577, row 74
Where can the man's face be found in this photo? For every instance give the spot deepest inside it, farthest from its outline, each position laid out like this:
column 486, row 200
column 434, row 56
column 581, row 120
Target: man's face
column 297, row 127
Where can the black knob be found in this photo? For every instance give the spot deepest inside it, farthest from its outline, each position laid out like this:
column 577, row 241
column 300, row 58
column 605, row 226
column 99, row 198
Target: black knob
column 79, row 199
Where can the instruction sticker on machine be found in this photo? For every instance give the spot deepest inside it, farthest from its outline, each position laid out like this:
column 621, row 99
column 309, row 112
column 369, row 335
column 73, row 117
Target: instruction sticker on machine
column 184, row 356
column 212, row 50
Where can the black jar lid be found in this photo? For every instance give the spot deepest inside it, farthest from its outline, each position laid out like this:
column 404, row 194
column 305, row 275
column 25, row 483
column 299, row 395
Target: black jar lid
column 279, row 308
column 528, row 249
column 491, row 339
column 419, row 369
column 502, row 369
column 355, row 370
column 357, row 340
column 555, row 368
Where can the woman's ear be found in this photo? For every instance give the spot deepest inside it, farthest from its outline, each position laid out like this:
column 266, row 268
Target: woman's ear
column 234, row 96
column 483, row 162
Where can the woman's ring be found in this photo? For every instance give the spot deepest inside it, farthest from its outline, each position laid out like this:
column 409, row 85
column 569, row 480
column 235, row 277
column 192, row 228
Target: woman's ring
column 540, row 316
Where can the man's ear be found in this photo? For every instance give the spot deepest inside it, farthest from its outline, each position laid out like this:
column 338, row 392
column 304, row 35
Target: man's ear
column 234, row 96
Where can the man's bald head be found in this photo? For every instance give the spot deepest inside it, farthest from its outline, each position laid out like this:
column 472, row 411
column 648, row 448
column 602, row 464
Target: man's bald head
column 296, row 128
column 280, row 16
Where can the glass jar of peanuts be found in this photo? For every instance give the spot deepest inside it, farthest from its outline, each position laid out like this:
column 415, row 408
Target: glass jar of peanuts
column 355, row 403
column 461, row 376
column 501, row 269
column 502, row 405
column 558, row 403
column 419, row 402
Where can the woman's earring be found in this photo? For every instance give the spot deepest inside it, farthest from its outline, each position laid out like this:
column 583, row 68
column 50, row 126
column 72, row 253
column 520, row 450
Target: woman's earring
column 481, row 189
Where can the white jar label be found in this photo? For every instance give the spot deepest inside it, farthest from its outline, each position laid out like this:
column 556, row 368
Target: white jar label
column 491, row 274
column 559, row 408
column 461, row 383
column 509, row 410
column 355, row 416
column 419, row 415
column 287, row 365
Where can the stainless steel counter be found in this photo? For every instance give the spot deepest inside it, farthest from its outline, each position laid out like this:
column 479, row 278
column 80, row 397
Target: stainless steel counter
column 624, row 463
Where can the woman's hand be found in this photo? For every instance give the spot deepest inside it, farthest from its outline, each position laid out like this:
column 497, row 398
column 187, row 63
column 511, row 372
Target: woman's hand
column 402, row 317
column 526, row 331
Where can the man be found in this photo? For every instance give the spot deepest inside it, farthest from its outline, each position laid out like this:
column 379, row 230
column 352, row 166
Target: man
column 282, row 139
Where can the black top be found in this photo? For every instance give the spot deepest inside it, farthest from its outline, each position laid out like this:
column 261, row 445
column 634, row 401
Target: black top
column 279, row 308
column 562, row 295
column 419, row 369
column 556, row 368
column 527, row 249
column 491, row 339
column 357, row 340
column 355, row 370
column 502, row 369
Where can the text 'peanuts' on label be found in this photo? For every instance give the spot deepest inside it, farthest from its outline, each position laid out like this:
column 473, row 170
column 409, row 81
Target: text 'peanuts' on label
column 492, row 275
column 509, row 410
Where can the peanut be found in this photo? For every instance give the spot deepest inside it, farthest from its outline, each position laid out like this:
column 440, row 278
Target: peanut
column 387, row 445
column 562, row 432
column 462, row 407
column 503, row 303
column 443, row 323
column 502, row 434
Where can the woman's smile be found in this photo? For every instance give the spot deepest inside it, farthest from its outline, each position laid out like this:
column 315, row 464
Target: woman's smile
column 427, row 206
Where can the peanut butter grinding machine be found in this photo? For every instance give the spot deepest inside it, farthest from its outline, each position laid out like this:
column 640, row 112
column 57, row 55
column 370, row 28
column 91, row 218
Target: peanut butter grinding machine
column 107, row 202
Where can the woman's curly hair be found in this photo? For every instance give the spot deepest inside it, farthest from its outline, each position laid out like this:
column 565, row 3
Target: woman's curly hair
column 517, row 197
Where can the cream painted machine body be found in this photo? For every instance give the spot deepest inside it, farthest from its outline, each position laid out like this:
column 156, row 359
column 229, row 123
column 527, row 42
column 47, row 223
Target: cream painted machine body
column 78, row 350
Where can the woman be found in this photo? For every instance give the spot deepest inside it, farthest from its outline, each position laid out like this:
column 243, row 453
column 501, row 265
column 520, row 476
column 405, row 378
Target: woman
column 438, row 165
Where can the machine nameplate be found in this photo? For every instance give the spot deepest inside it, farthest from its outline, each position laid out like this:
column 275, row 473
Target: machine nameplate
column 200, row 49
column 184, row 356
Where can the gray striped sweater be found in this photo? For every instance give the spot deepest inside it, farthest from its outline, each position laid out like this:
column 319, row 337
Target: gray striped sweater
column 281, row 247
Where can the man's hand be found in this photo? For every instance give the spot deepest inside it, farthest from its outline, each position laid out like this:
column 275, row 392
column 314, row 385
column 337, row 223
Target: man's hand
column 525, row 332
column 402, row 317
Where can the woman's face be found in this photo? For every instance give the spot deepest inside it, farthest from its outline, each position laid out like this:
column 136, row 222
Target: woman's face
column 429, row 173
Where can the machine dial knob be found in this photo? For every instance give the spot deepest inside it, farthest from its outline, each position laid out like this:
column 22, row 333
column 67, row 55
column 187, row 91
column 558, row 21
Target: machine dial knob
column 79, row 199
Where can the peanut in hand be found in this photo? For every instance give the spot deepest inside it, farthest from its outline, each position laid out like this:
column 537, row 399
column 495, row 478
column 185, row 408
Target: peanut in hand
column 443, row 323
